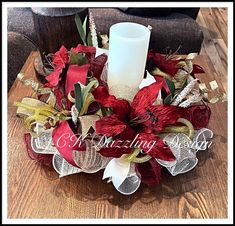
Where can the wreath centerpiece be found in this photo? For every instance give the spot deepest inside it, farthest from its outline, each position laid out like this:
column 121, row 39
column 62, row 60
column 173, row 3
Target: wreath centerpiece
column 76, row 125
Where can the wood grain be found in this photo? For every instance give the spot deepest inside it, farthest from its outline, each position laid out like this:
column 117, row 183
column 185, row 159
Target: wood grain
column 35, row 191
column 213, row 22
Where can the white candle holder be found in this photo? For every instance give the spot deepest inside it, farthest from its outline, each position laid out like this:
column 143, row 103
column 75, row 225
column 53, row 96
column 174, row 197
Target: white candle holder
column 128, row 47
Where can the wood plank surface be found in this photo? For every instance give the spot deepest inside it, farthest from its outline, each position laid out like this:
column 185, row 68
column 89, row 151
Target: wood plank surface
column 35, row 191
column 213, row 22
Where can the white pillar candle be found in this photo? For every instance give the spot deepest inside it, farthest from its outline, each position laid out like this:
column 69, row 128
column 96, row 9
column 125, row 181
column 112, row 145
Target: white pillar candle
column 128, row 47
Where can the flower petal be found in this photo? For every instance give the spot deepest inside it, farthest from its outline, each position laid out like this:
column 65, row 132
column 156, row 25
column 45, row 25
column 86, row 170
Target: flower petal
column 117, row 170
column 155, row 147
column 197, row 69
column 169, row 66
column 60, row 58
column 97, row 65
column 145, row 98
column 115, row 152
column 149, row 172
column 84, row 49
column 198, row 115
column 120, row 107
column 53, row 78
column 161, row 116
column 110, row 126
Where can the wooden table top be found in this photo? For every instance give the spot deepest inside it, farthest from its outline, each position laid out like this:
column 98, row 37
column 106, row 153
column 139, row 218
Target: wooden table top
column 35, row 191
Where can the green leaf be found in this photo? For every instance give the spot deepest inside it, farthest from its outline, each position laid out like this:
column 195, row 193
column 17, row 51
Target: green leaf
column 171, row 86
column 78, row 58
column 80, row 28
column 84, row 25
column 82, row 59
column 73, row 58
column 168, row 100
column 86, row 89
column 78, row 96
column 89, row 39
column 103, row 111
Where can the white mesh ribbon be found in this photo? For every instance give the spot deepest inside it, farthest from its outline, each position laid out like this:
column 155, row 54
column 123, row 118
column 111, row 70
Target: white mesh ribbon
column 90, row 161
column 123, row 176
column 62, row 167
column 185, row 149
column 43, row 144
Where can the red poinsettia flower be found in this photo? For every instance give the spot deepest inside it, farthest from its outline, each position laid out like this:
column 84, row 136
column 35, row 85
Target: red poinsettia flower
column 96, row 63
column 141, row 118
column 74, row 73
column 60, row 59
column 84, row 49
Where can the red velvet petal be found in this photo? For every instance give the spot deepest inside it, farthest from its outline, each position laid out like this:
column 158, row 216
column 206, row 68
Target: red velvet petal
column 53, row 78
column 88, row 50
column 60, row 58
column 120, row 107
column 128, row 133
column 97, row 65
column 110, row 126
column 44, row 159
column 160, row 116
column 65, row 141
column 84, row 49
column 59, row 95
column 149, row 172
column 160, row 79
column 155, row 147
column 145, row 98
column 197, row 69
column 115, row 152
column 198, row 115
column 75, row 74
column 169, row 66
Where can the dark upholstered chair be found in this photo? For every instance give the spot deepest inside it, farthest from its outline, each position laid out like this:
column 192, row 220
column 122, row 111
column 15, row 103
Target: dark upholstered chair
column 172, row 28
column 21, row 40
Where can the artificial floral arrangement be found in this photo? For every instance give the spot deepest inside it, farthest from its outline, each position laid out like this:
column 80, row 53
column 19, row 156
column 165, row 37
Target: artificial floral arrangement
column 75, row 124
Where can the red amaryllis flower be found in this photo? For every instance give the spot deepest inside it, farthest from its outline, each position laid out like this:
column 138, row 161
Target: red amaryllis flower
column 139, row 119
column 169, row 66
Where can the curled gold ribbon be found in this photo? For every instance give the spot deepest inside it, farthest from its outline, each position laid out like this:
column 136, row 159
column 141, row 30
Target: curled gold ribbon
column 35, row 111
column 133, row 157
column 176, row 129
column 187, row 129
column 35, row 85
column 189, row 125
